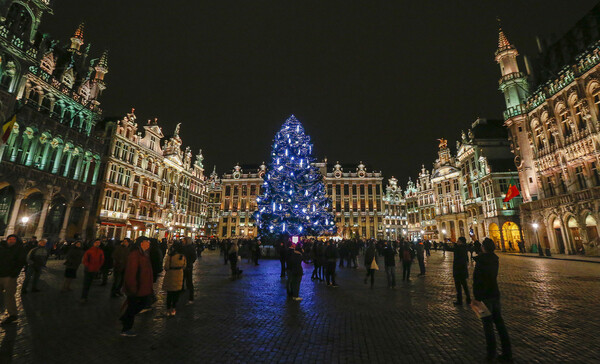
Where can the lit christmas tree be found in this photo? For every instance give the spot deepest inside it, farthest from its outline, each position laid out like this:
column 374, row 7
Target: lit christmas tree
column 293, row 200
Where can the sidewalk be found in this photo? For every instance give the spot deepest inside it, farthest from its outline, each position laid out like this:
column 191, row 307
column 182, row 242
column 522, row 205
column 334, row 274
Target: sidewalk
column 577, row 258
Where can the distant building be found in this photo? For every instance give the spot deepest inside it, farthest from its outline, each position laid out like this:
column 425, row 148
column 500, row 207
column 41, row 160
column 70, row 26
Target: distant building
column 356, row 200
column 394, row 211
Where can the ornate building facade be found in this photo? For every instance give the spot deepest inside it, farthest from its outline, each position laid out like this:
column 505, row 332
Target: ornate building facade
column 426, row 206
column 214, row 204
column 50, row 163
column 555, row 135
column 356, row 200
column 394, row 211
column 149, row 189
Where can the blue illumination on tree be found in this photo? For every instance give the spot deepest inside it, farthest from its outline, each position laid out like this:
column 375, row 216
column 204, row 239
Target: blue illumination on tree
column 293, row 200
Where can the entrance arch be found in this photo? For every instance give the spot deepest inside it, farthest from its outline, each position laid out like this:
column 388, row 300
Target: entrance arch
column 512, row 234
column 575, row 233
column 55, row 217
column 558, row 235
column 29, row 214
column 495, row 234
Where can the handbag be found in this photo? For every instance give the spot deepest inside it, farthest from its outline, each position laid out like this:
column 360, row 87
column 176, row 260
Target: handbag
column 374, row 264
column 480, row 309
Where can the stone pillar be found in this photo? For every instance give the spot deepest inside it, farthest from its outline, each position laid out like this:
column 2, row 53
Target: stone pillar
column 68, row 164
column 86, row 217
column 43, row 213
column 57, row 159
column 45, row 157
column 78, row 167
column 86, row 170
column 63, row 230
column 32, row 150
column 502, row 244
column 10, row 228
column 566, row 237
column 96, row 171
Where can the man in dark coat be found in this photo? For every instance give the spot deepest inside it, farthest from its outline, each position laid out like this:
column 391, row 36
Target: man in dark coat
column 485, row 289
column 137, row 284
column 331, row 255
column 190, row 256
column 389, row 257
column 295, row 272
column 119, row 256
column 407, row 254
column 156, row 257
column 460, row 269
column 282, row 252
column 107, row 248
column 36, row 260
column 12, row 260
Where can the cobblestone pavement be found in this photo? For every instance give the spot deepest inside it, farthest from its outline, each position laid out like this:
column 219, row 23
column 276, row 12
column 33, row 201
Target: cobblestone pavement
column 550, row 307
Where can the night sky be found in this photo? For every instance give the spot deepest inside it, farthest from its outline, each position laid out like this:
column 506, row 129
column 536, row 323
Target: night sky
column 377, row 81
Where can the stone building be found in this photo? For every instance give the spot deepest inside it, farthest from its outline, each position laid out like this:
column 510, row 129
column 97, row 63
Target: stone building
column 149, row 189
column 426, row 206
column 394, row 211
column 239, row 190
column 356, row 200
column 555, row 135
column 487, row 169
column 214, row 204
column 413, row 222
column 50, row 163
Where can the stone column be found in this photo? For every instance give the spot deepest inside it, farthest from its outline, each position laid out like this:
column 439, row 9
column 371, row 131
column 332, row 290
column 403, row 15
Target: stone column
column 566, row 237
column 43, row 213
column 63, row 230
column 78, row 167
column 86, row 170
column 10, row 228
column 96, row 170
column 502, row 244
column 32, row 150
column 68, row 164
column 86, row 217
column 57, row 159
column 45, row 157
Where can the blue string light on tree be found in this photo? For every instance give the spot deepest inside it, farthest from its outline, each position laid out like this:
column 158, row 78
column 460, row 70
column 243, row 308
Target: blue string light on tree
column 293, row 201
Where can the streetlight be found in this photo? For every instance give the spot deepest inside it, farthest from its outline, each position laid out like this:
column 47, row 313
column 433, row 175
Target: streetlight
column 535, row 227
column 25, row 219
column 444, row 234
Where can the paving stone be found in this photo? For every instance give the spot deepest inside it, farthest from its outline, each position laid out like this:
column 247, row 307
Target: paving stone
column 550, row 308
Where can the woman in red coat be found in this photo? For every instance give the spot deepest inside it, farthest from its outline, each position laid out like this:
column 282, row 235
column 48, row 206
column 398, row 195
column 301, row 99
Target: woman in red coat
column 137, row 284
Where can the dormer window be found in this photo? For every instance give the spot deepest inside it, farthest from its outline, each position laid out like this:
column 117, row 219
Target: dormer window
column 47, row 63
column 85, row 91
column 68, row 78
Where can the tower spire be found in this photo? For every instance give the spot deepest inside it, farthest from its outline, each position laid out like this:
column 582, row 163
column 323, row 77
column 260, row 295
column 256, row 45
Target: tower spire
column 77, row 38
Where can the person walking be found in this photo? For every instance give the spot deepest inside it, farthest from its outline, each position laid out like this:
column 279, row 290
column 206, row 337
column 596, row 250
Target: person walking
column 486, row 291
column 295, row 272
column 72, row 262
column 232, row 256
column 190, row 256
column 281, row 252
column 175, row 265
column 331, row 255
column 427, row 245
column 255, row 248
column 12, row 260
column 389, row 257
column 107, row 248
column 137, row 284
column 156, row 258
column 36, row 261
column 407, row 254
column 460, row 270
column 93, row 259
column 119, row 256
column 420, row 251
column 370, row 263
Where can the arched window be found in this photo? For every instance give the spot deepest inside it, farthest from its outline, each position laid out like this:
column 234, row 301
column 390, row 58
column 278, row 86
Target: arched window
column 564, row 122
column 116, row 202
column 46, row 104
column 107, row 200
column 57, row 110
column 33, row 96
column 18, row 21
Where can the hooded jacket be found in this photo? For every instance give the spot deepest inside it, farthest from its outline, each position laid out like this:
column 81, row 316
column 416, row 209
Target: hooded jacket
column 138, row 274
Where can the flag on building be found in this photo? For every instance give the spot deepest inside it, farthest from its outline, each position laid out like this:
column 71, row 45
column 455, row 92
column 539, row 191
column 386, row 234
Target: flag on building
column 512, row 192
column 7, row 128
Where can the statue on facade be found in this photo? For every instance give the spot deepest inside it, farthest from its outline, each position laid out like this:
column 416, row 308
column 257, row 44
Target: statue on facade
column 443, row 143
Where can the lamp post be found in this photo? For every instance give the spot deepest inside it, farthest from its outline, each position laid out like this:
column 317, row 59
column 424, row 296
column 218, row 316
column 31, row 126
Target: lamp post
column 24, row 221
column 537, row 239
column 135, row 232
column 444, row 235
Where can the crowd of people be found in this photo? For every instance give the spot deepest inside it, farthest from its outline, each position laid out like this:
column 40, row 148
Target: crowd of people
column 136, row 266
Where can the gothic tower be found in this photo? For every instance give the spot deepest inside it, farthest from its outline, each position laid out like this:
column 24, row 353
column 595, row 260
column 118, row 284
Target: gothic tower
column 515, row 88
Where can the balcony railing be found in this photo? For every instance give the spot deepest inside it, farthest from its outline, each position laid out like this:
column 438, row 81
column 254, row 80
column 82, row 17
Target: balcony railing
column 19, row 43
column 514, row 111
column 579, row 196
column 511, row 76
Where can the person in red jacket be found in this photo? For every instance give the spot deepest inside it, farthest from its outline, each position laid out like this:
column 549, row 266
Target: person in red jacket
column 137, row 284
column 92, row 262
